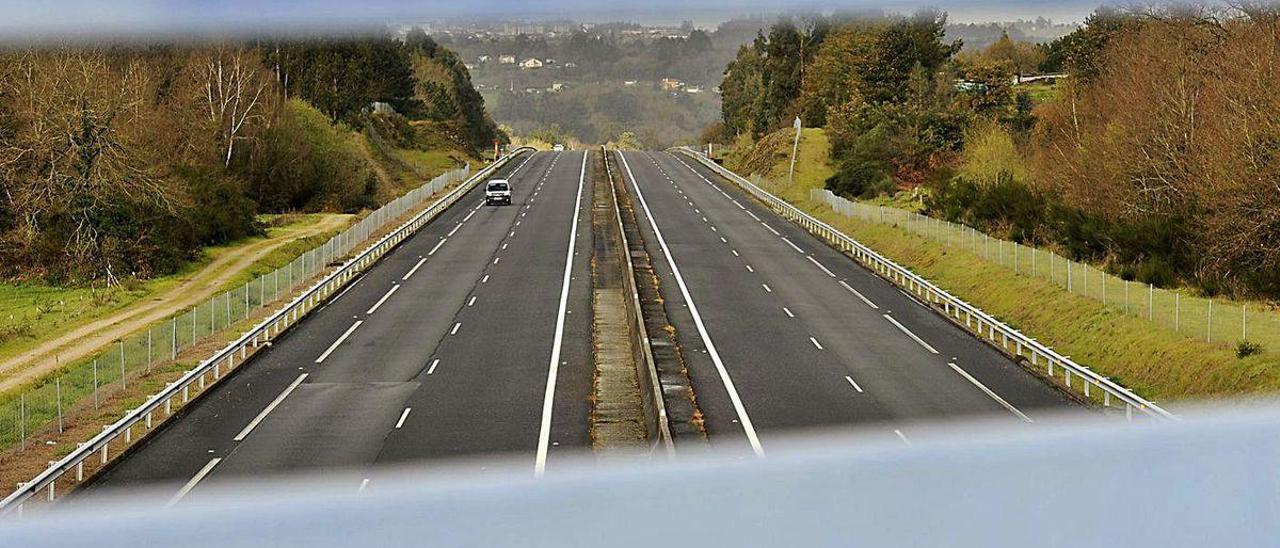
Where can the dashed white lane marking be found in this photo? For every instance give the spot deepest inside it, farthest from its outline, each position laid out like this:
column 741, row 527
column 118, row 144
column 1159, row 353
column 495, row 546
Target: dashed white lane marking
column 766, row 287
column 990, row 392
column 194, row 480
column 434, row 363
column 496, row 259
column 853, row 384
column 910, row 334
column 775, row 232
column 504, row 246
column 816, row 343
column 788, row 311
column 270, row 407
column 363, row 483
column 723, row 241
column 793, row 245
column 819, row 265
column 415, row 268
column 335, row 344
column 384, row 298
column 437, row 247
column 743, row 418
column 548, row 399
column 485, row 280
column 454, row 331
column 735, row 253
column 512, row 235
column 749, row 269
column 860, row 295
column 902, row 437
column 472, row 301
column 403, row 416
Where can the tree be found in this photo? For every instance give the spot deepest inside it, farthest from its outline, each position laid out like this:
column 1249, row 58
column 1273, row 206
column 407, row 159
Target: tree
column 232, row 86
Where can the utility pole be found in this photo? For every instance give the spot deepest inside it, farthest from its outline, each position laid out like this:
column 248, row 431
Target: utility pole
column 794, row 148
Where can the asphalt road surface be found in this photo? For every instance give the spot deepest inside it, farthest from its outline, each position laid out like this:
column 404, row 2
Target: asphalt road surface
column 782, row 332
column 470, row 341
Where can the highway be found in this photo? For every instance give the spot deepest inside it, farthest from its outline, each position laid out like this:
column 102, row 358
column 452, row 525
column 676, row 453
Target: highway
column 782, row 332
column 471, row 342
column 471, row 339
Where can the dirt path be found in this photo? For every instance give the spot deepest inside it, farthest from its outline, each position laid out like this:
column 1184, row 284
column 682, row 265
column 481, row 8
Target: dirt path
column 82, row 341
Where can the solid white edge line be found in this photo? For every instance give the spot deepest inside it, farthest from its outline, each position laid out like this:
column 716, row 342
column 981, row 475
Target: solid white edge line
column 860, row 295
column 270, row 407
column 853, row 384
column 194, row 480
column 775, row 232
column 403, row 416
column 335, row 344
column 738, row 407
column 910, row 334
column 549, row 395
column 792, row 244
column 384, row 298
column 344, row 291
column 455, row 229
column 468, row 217
column 819, row 265
column 902, row 437
column 990, row 392
column 414, row 269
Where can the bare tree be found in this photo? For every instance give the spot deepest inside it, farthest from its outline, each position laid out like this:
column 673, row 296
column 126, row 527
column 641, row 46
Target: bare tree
column 232, row 90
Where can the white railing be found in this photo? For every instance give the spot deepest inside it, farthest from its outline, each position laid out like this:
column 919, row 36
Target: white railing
column 988, row 328
column 209, row 371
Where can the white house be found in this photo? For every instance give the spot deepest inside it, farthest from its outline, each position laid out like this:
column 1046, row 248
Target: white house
column 531, row 63
column 506, row 59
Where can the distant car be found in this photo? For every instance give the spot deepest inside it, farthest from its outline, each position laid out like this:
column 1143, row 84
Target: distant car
column 498, row 191
column 558, row 148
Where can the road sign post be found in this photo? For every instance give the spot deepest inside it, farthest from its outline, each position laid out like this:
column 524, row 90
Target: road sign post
column 794, row 149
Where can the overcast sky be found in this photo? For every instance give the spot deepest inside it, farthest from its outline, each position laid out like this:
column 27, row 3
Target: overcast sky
column 87, row 18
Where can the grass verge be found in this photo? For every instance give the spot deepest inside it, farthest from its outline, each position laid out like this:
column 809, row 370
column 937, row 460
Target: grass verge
column 1158, row 363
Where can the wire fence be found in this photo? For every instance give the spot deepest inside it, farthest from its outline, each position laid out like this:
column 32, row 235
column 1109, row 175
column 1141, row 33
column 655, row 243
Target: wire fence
column 45, row 406
column 1214, row 320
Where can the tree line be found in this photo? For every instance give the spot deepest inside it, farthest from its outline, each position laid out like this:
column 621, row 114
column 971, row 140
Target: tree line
column 1155, row 157
column 123, row 160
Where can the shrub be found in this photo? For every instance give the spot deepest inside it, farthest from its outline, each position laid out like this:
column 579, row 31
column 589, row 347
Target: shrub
column 1246, row 348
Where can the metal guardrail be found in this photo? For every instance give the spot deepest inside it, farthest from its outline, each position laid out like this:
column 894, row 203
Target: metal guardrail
column 988, row 328
column 222, row 362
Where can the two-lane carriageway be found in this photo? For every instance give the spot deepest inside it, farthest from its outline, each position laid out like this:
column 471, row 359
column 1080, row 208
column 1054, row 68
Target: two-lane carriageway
column 470, row 340
column 783, row 332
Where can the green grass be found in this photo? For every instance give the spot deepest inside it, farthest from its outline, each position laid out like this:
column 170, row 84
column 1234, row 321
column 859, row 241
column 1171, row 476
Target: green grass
column 31, row 312
column 285, row 254
column 1156, row 361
